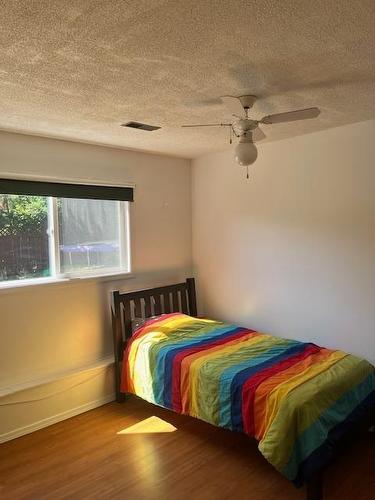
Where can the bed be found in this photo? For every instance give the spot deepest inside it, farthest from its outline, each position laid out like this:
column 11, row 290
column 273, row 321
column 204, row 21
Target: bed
column 297, row 399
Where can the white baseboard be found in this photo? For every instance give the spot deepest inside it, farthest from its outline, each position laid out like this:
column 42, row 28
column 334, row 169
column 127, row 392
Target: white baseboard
column 27, row 429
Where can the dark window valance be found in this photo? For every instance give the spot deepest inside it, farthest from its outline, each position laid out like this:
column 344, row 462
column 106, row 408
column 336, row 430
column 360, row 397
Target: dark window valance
column 63, row 190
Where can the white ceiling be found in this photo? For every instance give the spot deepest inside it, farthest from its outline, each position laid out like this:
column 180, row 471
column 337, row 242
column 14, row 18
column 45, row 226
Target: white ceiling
column 77, row 69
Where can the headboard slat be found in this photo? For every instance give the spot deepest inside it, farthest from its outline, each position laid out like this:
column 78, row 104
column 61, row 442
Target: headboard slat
column 167, row 303
column 157, row 304
column 127, row 319
column 148, row 311
column 138, row 307
column 175, row 301
column 184, row 305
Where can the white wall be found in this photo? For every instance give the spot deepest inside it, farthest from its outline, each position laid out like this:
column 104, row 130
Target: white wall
column 291, row 251
column 63, row 331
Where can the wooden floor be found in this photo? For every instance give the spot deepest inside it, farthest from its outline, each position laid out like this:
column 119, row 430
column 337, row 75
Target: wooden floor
column 85, row 458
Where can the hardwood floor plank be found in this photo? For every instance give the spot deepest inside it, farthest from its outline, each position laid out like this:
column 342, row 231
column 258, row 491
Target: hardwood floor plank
column 85, row 458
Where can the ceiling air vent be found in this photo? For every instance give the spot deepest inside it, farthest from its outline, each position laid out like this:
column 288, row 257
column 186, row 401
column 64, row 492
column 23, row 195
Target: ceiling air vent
column 140, row 126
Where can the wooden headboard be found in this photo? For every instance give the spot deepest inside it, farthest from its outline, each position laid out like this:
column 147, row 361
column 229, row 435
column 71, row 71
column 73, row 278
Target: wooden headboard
column 179, row 297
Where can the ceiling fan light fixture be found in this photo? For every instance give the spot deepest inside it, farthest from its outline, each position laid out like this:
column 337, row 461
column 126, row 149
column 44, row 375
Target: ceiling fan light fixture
column 248, row 129
column 245, row 152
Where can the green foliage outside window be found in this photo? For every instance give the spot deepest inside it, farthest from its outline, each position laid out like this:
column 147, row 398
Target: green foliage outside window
column 22, row 214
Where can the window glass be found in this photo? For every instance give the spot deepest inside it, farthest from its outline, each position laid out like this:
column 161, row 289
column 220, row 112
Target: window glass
column 23, row 237
column 89, row 236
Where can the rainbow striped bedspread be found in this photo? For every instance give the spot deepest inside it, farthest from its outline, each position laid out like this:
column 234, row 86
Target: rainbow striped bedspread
column 295, row 398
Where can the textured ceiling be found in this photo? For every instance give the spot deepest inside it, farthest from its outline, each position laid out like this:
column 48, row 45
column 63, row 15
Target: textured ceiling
column 77, row 69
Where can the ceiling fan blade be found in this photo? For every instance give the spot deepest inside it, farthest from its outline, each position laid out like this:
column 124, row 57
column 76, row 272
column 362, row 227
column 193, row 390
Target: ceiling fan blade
column 233, row 104
column 208, row 125
column 291, row 116
column 258, row 135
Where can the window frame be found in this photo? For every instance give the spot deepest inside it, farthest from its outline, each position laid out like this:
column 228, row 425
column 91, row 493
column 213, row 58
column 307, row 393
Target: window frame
column 56, row 276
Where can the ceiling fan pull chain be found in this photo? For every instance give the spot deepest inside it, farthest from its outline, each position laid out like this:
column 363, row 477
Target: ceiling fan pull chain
column 230, row 135
column 247, row 172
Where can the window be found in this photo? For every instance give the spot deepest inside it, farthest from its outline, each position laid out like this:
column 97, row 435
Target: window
column 58, row 237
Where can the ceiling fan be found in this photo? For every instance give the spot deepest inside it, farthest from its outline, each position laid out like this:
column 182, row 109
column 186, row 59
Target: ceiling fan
column 248, row 130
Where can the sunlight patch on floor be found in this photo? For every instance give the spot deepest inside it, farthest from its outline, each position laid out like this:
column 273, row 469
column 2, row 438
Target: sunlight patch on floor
column 150, row 425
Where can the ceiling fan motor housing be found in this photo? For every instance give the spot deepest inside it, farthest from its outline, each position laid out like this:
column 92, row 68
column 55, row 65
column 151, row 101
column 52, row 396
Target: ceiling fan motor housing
column 245, row 127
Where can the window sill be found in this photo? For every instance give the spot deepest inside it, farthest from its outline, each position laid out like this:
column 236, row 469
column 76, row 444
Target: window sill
column 13, row 286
